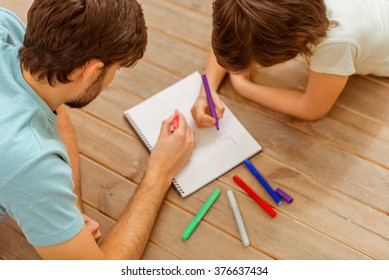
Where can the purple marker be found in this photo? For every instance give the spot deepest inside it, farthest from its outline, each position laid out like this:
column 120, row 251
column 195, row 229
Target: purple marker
column 284, row 196
column 210, row 100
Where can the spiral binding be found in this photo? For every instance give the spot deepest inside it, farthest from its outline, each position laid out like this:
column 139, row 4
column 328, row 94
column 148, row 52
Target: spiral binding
column 148, row 145
column 178, row 187
column 138, row 131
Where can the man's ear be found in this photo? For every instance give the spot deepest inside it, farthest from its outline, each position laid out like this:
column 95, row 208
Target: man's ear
column 90, row 71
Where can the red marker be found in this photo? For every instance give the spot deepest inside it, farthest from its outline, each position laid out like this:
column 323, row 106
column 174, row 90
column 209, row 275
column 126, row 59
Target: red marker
column 252, row 194
column 175, row 120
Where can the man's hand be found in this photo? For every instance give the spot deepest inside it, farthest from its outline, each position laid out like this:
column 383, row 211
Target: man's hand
column 92, row 226
column 172, row 150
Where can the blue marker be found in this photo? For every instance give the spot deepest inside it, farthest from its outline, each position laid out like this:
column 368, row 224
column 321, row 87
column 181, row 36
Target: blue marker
column 267, row 187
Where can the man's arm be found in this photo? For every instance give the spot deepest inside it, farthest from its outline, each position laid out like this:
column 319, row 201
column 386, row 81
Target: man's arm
column 129, row 236
column 319, row 97
column 69, row 139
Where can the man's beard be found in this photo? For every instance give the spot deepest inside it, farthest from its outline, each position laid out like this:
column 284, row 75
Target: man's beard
column 90, row 93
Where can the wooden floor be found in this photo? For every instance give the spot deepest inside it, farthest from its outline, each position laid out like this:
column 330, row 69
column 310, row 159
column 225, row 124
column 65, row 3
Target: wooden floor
column 336, row 169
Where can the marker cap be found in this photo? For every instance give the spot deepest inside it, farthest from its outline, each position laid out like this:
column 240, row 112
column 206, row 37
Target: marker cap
column 284, row 195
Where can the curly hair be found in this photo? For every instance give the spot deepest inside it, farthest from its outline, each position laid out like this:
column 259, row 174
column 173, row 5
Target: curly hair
column 265, row 31
column 62, row 36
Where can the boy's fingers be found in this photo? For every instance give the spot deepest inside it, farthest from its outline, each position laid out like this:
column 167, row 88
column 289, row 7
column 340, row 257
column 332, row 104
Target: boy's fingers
column 206, row 120
column 219, row 109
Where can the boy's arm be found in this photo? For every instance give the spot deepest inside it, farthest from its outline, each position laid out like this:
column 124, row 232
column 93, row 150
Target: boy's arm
column 320, row 95
column 215, row 73
column 129, row 236
column 200, row 111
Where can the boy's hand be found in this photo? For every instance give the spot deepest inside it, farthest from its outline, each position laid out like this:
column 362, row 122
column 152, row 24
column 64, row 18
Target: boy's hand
column 200, row 110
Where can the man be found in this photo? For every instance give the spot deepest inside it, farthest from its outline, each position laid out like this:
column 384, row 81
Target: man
column 68, row 53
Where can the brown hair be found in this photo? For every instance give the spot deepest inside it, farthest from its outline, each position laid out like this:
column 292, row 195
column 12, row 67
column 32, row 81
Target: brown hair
column 265, row 31
column 62, row 36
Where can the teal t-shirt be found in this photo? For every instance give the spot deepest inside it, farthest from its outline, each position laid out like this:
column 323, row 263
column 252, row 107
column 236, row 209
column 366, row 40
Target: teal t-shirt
column 36, row 187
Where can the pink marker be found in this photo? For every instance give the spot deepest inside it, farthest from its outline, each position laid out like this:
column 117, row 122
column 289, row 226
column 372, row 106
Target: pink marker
column 175, row 120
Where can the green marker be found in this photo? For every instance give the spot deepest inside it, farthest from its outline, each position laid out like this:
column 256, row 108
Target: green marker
column 196, row 220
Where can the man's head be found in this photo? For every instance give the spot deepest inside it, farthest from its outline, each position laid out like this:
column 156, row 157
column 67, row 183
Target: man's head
column 267, row 32
column 63, row 36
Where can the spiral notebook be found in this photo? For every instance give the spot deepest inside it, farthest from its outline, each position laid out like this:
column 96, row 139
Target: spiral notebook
column 216, row 152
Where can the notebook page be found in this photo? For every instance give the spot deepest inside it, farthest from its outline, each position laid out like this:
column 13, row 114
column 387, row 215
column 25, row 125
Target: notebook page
column 216, row 152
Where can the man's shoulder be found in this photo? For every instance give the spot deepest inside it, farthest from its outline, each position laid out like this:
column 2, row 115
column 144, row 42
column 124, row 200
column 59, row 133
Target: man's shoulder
column 17, row 147
column 11, row 28
column 21, row 155
column 32, row 143
column 7, row 16
column 6, row 12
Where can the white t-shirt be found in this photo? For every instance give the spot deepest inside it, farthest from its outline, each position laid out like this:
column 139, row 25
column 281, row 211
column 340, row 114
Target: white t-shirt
column 357, row 41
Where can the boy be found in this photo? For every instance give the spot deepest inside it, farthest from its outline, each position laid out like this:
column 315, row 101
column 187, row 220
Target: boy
column 339, row 38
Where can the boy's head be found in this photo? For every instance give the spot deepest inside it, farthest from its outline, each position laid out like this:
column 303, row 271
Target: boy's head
column 62, row 36
column 267, row 32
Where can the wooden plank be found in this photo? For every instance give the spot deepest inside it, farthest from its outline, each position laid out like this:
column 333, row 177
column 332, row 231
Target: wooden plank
column 144, row 79
column 174, row 56
column 380, row 80
column 107, row 192
column 13, row 244
column 199, row 6
column 108, row 154
column 360, row 179
column 367, row 98
column 353, row 133
column 179, row 22
column 152, row 251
